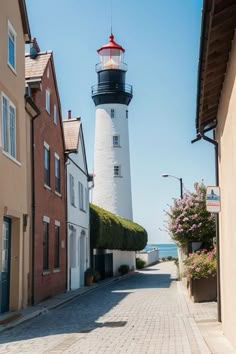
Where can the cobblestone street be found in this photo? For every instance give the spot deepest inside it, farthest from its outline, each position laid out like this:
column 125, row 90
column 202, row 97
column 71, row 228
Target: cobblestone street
column 147, row 312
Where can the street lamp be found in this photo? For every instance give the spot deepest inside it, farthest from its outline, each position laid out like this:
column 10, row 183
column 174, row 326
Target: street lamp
column 180, row 181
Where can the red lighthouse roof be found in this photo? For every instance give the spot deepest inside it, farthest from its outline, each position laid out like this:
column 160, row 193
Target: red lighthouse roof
column 111, row 45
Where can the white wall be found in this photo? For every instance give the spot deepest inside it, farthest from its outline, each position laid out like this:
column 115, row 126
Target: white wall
column 123, row 257
column 78, row 220
column 226, row 136
column 112, row 193
column 149, row 257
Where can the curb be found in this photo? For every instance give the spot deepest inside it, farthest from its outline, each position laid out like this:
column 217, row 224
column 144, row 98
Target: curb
column 61, row 303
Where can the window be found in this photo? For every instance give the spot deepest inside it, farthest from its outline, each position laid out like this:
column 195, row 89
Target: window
column 112, row 113
column 46, row 164
column 48, row 101
column 72, row 190
column 9, row 126
column 116, row 140
column 11, row 46
column 127, row 113
column 86, row 192
column 81, row 196
column 55, row 114
column 57, row 245
column 45, row 245
column 57, row 174
column 117, row 171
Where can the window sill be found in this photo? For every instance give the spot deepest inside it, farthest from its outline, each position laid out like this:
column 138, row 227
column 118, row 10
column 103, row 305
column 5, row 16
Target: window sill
column 118, row 176
column 11, row 158
column 117, row 146
column 56, row 270
column 58, row 194
column 46, row 272
column 12, row 69
column 83, row 210
column 47, row 187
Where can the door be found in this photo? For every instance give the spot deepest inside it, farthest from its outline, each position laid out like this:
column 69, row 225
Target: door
column 5, row 271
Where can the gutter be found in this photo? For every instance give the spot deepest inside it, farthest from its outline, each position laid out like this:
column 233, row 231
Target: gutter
column 203, row 39
column 215, row 143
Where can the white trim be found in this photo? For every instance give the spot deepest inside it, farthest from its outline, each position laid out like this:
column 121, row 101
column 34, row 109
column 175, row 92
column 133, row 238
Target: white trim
column 57, row 156
column 47, row 187
column 46, row 145
column 58, row 194
column 11, row 158
column 46, row 219
column 57, row 223
column 48, row 73
column 55, row 113
column 10, row 28
column 48, row 101
column 56, row 270
column 9, row 104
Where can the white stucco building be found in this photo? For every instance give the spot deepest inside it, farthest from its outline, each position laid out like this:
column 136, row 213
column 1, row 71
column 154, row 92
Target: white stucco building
column 78, row 248
column 112, row 180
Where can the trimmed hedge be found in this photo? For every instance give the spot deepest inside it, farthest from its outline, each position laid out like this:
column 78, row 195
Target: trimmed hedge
column 108, row 231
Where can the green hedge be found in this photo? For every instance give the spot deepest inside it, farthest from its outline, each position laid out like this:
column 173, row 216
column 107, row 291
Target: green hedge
column 108, row 231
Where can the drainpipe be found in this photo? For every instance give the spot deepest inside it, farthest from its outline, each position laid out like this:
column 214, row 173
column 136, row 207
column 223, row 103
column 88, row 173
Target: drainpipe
column 215, row 143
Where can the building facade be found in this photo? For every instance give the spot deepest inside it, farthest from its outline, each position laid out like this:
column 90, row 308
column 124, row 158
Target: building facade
column 216, row 109
column 78, row 251
column 15, row 211
column 49, row 195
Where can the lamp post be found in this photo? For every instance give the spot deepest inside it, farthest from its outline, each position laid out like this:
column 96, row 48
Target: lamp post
column 180, row 181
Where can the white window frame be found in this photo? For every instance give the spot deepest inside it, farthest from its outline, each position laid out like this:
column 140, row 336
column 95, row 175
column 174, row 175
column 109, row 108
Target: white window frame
column 117, row 171
column 55, row 114
column 116, row 140
column 57, row 157
column 81, row 196
column 72, row 190
column 7, row 146
column 47, row 147
column 11, row 33
column 48, row 100
column 112, row 113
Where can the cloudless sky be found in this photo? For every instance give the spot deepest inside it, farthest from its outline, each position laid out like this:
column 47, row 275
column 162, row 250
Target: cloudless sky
column 161, row 38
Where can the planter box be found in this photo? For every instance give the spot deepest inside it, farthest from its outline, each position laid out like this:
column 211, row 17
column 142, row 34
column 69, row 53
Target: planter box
column 203, row 290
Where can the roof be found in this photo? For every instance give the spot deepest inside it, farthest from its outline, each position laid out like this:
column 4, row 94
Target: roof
column 25, row 20
column 111, row 45
column 36, row 67
column 217, row 33
column 71, row 133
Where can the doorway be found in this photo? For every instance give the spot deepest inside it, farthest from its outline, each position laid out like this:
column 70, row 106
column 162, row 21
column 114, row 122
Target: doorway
column 5, row 266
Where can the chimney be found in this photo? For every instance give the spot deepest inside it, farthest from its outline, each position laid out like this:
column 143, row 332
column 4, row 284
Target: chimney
column 69, row 114
column 34, row 49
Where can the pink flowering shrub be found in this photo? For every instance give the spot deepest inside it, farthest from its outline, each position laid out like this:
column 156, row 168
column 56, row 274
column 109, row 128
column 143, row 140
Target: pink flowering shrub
column 201, row 264
column 188, row 219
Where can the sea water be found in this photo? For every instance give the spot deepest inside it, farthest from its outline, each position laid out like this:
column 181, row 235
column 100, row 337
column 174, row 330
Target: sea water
column 165, row 249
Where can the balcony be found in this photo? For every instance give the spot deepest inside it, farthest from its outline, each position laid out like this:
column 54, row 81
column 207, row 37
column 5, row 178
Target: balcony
column 106, row 88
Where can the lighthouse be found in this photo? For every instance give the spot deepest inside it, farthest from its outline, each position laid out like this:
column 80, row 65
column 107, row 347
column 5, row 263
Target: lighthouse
column 111, row 96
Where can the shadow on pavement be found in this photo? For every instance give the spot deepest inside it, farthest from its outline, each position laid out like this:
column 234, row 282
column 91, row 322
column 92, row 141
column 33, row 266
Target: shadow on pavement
column 84, row 314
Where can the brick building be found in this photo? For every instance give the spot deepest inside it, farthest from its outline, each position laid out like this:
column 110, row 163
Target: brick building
column 49, row 205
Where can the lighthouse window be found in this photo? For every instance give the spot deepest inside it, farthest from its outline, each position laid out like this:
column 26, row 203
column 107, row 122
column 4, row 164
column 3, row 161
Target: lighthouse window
column 116, row 140
column 112, row 113
column 117, row 171
column 127, row 114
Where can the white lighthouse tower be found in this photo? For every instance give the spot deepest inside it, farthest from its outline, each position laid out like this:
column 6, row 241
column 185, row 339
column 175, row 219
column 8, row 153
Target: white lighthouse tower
column 112, row 181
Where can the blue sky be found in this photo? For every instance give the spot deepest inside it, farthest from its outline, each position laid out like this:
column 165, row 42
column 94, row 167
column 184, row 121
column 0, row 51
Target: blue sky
column 161, row 38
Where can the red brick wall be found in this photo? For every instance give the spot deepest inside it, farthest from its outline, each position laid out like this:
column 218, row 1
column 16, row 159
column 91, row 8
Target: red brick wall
column 47, row 203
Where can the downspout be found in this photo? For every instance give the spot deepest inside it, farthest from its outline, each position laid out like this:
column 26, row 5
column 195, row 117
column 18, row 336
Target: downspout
column 215, row 143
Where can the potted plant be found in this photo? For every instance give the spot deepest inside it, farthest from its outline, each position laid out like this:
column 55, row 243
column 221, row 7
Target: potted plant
column 123, row 269
column 200, row 270
column 89, row 276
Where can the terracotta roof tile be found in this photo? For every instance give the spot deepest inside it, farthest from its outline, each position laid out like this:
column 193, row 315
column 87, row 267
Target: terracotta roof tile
column 71, row 133
column 36, row 67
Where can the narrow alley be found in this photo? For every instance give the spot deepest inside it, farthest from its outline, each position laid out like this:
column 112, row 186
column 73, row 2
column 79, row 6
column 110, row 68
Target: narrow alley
column 146, row 312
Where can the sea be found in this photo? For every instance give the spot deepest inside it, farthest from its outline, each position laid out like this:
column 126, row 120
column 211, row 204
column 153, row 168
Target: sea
column 165, row 249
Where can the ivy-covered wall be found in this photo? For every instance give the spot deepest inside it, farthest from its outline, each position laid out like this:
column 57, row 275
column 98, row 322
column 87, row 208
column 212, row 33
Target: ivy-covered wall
column 108, row 231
